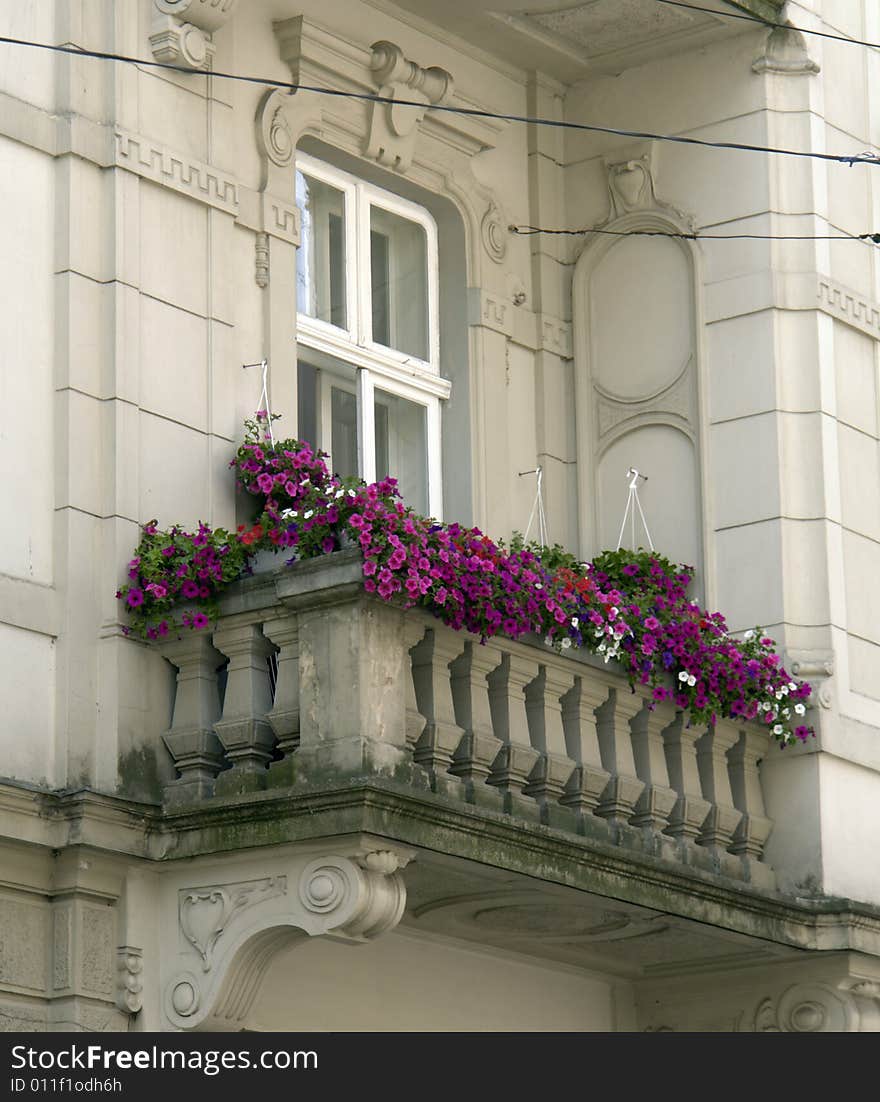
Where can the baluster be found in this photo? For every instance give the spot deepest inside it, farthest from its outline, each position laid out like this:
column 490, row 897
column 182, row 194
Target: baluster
column 657, row 799
column 479, row 747
column 723, row 817
column 191, row 740
column 754, row 828
column 431, row 673
column 284, row 716
column 615, row 744
column 517, row 757
column 589, row 779
column 690, row 810
column 244, row 730
column 413, row 634
column 554, row 768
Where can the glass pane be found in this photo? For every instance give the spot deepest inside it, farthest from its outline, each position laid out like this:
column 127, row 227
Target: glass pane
column 399, row 280
column 307, row 404
column 343, row 431
column 401, row 447
column 320, row 259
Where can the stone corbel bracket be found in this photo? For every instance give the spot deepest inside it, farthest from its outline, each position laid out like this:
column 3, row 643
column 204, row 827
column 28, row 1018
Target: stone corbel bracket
column 234, row 931
column 394, row 126
column 632, row 187
column 182, row 30
column 786, row 52
column 272, row 211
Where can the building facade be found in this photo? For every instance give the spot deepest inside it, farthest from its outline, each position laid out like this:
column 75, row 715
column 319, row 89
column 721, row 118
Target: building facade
column 326, row 812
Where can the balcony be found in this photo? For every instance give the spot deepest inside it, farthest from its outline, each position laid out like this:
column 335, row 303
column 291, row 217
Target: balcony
column 309, row 683
column 500, row 794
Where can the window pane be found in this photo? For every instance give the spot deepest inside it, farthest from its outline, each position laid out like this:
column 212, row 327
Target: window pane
column 320, row 259
column 399, row 280
column 401, row 447
column 343, row 431
column 307, row 404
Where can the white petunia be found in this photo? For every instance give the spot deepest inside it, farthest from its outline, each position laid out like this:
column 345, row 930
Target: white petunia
column 566, row 643
column 800, row 709
column 308, row 513
column 692, row 680
column 777, row 730
column 683, row 676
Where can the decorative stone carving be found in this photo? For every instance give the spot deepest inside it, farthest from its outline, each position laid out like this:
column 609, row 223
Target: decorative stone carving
column 237, row 929
column 819, row 673
column 631, row 185
column 23, row 944
column 129, row 985
column 261, row 259
column 804, row 1008
column 785, row 52
column 61, row 937
column 182, row 30
column 495, row 233
column 369, row 889
column 277, row 215
column 393, row 126
column 204, row 913
column 176, row 170
column 632, row 188
column 96, row 947
column 851, row 307
column 274, row 133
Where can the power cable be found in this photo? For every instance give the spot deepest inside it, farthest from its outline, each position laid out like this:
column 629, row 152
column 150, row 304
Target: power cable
column 472, row 112
column 684, row 235
column 770, row 24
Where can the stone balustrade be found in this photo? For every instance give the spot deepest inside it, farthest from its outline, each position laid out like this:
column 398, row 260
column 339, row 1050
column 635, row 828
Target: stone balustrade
column 362, row 688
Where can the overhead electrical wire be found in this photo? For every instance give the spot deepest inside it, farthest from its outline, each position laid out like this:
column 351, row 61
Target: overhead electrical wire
column 471, row 112
column 770, row 24
column 696, row 235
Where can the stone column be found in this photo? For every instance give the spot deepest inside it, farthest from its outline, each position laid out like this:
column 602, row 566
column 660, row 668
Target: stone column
column 690, row 810
column 479, row 747
column 191, row 740
column 517, row 757
column 284, row 714
column 244, row 729
column 615, row 742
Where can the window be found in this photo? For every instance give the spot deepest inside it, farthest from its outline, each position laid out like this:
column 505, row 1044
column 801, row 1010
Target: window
column 367, row 332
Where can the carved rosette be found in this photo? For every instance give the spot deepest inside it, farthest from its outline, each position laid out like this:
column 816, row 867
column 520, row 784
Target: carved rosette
column 804, row 1008
column 182, row 30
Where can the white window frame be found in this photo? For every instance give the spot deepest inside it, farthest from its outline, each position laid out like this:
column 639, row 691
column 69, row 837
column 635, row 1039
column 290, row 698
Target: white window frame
column 376, row 365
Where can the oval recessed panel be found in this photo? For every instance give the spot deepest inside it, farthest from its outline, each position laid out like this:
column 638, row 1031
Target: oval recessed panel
column 641, row 317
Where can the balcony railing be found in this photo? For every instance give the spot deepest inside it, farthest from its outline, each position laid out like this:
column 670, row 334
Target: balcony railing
column 359, row 688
